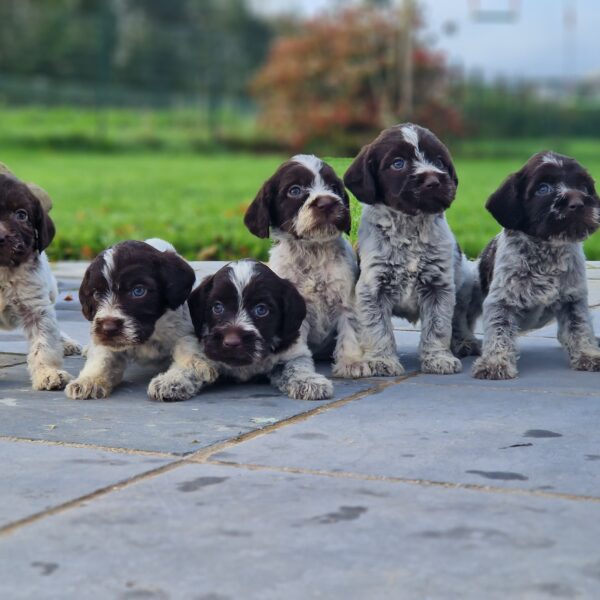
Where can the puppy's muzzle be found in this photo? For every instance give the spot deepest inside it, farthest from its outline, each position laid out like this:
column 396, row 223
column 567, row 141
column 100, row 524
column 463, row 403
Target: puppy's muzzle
column 233, row 345
column 330, row 211
column 109, row 330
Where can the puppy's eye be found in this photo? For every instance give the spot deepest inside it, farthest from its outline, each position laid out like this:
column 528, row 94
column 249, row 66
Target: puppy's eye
column 139, row 291
column 218, row 308
column 295, row 191
column 398, row 164
column 543, row 189
column 21, row 215
column 584, row 188
column 438, row 163
column 260, row 310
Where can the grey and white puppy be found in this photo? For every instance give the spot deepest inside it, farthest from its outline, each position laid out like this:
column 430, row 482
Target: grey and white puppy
column 28, row 289
column 410, row 263
column 534, row 270
column 305, row 208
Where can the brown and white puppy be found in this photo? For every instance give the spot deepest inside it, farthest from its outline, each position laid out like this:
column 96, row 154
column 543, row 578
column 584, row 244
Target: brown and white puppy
column 248, row 322
column 27, row 287
column 305, row 208
column 534, row 270
column 410, row 263
column 134, row 294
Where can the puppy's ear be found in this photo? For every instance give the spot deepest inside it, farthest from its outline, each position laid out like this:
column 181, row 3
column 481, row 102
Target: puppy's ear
column 178, row 278
column 452, row 172
column 89, row 305
column 197, row 303
column 258, row 216
column 505, row 205
column 293, row 313
column 44, row 227
column 360, row 177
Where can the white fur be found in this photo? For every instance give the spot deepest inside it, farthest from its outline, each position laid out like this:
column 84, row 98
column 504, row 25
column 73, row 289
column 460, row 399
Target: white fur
column 552, row 159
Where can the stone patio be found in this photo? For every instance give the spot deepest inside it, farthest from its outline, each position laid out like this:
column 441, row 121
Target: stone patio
column 417, row 487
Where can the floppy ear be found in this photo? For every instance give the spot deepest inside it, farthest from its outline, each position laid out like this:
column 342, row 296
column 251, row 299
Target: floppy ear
column 89, row 305
column 197, row 303
column 505, row 205
column 258, row 217
column 360, row 179
column 178, row 278
column 293, row 312
column 346, row 200
column 453, row 174
column 44, row 227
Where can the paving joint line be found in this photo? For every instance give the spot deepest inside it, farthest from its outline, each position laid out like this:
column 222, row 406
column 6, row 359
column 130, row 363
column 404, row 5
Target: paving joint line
column 348, row 475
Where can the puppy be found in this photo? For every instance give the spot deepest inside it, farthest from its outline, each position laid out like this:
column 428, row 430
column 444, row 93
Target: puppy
column 410, row 264
column 28, row 289
column 134, row 294
column 248, row 322
column 534, row 270
column 307, row 209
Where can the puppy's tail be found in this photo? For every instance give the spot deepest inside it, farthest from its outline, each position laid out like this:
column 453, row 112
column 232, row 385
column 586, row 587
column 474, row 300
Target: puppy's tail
column 161, row 245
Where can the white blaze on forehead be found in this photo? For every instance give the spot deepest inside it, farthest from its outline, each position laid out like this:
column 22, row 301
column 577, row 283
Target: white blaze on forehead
column 421, row 164
column 551, row 159
column 311, row 162
column 160, row 245
column 109, row 266
column 314, row 164
column 240, row 275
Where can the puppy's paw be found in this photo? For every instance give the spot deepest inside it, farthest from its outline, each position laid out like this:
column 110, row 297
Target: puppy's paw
column 465, row 347
column 440, row 363
column 71, row 347
column 351, row 370
column 48, row 379
column 171, row 387
column 485, row 368
column 587, row 361
column 84, row 388
column 381, row 367
column 311, row 387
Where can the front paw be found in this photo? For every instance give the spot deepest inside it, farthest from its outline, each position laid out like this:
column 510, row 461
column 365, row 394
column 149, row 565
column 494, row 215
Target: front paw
column 486, row 368
column 379, row 367
column 465, row 347
column 351, row 370
column 49, row 379
column 311, row 387
column 440, row 363
column 586, row 362
column 168, row 387
column 85, row 388
column 71, row 347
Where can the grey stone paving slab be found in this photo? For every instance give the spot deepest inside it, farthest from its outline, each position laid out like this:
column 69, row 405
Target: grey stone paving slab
column 220, row 533
column 441, row 433
column 129, row 420
column 36, row 478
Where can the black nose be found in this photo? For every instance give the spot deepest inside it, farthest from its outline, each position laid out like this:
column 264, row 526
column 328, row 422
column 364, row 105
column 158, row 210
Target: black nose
column 111, row 325
column 325, row 203
column 575, row 203
column 232, row 340
column 2, row 239
column 431, row 182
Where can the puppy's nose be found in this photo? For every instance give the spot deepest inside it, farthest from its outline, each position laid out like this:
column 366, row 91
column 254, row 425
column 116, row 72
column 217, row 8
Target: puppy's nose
column 232, row 339
column 111, row 325
column 325, row 203
column 575, row 203
column 2, row 239
column 431, row 182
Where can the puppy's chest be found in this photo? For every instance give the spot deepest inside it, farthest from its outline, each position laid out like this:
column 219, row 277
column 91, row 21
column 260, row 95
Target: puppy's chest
column 9, row 317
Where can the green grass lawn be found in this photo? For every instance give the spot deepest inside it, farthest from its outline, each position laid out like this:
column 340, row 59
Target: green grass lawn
column 197, row 201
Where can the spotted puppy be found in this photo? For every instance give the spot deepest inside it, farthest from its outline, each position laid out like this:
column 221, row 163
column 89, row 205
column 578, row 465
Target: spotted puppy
column 27, row 287
column 248, row 322
column 534, row 270
column 134, row 294
column 410, row 264
column 305, row 207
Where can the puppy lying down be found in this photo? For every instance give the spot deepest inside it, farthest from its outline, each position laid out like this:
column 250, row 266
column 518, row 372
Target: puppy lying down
column 248, row 322
column 134, row 294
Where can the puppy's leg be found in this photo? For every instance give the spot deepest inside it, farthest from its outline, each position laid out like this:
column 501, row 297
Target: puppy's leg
column 576, row 334
column 348, row 353
column 436, row 307
column 102, row 372
column 463, row 342
column 187, row 374
column 45, row 348
column 297, row 378
column 70, row 346
column 499, row 354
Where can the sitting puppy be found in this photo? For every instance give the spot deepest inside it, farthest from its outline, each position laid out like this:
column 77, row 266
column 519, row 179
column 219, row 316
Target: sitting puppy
column 248, row 322
column 308, row 209
column 410, row 264
column 534, row 270
column 27, row 287
column 134, row 294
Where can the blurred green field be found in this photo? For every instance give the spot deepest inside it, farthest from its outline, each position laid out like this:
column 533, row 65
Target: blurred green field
column 197, row 201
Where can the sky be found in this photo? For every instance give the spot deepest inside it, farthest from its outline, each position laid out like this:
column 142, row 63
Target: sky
column 534, row 46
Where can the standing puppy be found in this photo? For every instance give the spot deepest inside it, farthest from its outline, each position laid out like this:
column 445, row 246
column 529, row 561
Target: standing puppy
column 307, row 209
column 27, row 287
column 248, row 322
column 134, row 294
column 410, row 264
column 534, row 270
